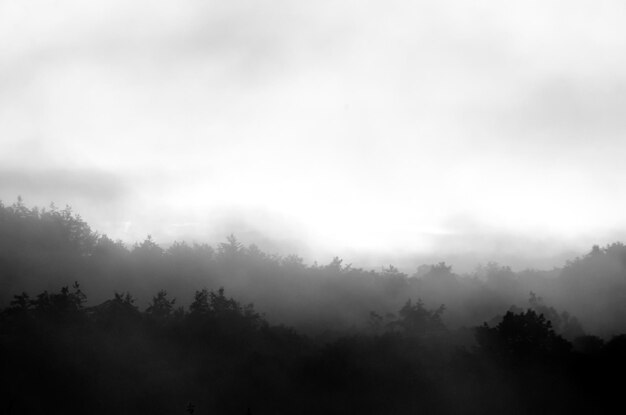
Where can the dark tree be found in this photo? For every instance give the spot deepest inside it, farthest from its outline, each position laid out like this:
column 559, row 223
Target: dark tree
column 521, row 336
column 161, row 307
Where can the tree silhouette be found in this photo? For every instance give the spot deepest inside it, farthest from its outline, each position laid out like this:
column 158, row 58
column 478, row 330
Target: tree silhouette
column 61, row 304
column 161, row 307
column 200, row 305
column 521, row 336
column 563, row 323
column 415, row 319
column 230, row 249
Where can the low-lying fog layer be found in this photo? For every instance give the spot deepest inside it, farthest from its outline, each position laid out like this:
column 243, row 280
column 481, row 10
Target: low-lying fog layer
column 88, row 325
column 46, row 249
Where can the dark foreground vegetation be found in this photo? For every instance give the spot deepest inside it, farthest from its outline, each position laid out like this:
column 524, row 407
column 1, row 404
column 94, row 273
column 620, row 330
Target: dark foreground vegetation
column 331, row 340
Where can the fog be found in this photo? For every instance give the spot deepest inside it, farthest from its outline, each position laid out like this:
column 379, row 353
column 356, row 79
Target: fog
column 194, row 325
column 433, row 128
column 47, row 248
column 311, row 207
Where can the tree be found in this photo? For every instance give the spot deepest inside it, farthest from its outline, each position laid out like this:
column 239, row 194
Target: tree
column 563, row 323
column 107, row 248
column 119, row 313
column 336, row 266
column 60, row 304
column 148, row 248
column 200, row 304
column 395, row 282
column 231, row 248
column 520, row 337
column 415, row 319
column 161, row 307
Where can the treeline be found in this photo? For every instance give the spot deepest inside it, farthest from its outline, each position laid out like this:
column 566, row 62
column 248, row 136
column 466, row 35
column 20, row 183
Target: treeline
column 42, row 249
column 218, row 356
column 327, row 339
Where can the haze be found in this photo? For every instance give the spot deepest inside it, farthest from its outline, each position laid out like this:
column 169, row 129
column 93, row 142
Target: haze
column 488, row 130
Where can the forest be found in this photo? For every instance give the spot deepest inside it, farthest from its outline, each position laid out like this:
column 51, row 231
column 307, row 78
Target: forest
column 90, row 325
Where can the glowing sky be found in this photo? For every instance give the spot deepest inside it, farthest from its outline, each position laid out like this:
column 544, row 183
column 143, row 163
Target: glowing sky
column 482, row 127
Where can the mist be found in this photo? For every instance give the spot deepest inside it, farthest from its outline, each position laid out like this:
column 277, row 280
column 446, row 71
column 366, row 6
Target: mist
column 426, row 128
column 73, row 297
column 288, row 207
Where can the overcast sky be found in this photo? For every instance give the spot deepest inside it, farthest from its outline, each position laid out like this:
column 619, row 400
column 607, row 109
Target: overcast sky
column 485, row 128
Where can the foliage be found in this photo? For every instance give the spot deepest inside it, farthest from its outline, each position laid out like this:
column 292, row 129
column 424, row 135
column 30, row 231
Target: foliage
column 161, row 307
column 521, row 336
column 319, row 350
column 415, row 319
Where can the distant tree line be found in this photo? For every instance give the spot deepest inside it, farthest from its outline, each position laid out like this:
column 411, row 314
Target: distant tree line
column 60, row 356
column 42, row 249
column 327, row 339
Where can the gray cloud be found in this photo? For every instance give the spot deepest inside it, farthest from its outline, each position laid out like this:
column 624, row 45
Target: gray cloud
column 367, row 123
column 566, row 111
column 62, row 186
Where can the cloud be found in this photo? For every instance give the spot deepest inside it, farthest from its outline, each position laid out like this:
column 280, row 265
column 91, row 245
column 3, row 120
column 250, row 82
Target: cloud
column 98, row 188
column 370, row 124
column 567, row 112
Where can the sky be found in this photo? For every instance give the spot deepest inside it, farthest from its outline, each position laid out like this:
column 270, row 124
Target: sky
column 372, row 130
